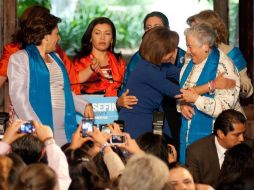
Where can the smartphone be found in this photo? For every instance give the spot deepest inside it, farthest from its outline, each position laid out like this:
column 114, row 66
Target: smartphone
column 117, row 139
column 121, row 124
column 104, row 128
column 27, row 127
column 87, row 125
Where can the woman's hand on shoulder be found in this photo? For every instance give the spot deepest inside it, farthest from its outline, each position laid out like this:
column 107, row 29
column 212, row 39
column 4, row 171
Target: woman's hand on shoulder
column 126, row 100
column 224, row 83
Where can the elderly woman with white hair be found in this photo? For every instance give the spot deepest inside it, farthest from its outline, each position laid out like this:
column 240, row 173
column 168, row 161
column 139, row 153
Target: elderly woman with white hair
column 145, row 172
column 207, row 61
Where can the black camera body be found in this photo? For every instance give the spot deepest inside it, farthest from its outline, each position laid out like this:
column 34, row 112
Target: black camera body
column 158, row 122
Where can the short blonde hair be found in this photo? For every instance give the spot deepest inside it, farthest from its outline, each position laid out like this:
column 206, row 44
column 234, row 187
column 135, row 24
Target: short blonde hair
column 144, row 172
column 214, row 20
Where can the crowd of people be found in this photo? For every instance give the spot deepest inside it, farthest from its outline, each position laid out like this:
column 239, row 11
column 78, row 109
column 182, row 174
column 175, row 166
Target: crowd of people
column 199, row 146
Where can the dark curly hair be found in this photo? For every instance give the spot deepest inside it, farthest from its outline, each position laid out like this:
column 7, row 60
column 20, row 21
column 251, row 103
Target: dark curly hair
column 30, row 12
column 35, row 28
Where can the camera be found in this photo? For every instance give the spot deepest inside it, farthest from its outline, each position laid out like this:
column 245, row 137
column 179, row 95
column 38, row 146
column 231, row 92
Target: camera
column 117, row 139
column 87, row 125
column 104, row 128
column 158, row 122
column 27, row 127
column 121, row 124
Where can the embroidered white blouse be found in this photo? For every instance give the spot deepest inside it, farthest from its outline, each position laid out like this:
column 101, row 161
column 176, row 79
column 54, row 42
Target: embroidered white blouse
column 223, row 98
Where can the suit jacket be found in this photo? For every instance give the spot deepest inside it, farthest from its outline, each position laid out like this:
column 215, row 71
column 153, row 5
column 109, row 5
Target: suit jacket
column 202, row 160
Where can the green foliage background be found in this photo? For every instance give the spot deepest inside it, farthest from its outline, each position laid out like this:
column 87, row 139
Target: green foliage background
column 24, row 4
column 125, row 14
column 128, row 23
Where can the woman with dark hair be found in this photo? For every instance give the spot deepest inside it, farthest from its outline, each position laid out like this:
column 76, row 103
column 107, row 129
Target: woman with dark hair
column 17, row 44
column 37, row 177
column 103, row 68
column 39, row 86
column 158, row 145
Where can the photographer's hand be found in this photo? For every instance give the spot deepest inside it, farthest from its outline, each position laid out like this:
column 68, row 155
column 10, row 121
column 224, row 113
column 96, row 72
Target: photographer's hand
column 130, row 145
column 77, row 140
column 12, row 132
column 43, row 132
column 114, row 128
column 98, row 137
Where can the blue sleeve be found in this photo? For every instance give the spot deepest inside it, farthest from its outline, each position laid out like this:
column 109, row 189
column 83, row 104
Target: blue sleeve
column 160, row 82
column 130, row 67
column 171, row 71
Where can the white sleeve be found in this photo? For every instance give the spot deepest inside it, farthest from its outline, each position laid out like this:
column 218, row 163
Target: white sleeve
column 58, row 162
column 19, row 75
column 223, row 98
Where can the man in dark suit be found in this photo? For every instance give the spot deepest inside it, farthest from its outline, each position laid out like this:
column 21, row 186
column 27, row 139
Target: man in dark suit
column 205, row 156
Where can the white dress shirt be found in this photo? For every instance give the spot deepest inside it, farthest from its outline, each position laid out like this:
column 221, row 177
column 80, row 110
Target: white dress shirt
column 220, row 151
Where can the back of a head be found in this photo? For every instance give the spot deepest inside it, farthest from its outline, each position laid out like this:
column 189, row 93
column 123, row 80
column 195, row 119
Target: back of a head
column 37, row 177
column 30, row 12
column 18, row 166
column 237, row 160
column 35, row 28
column 5, row 167
column 154, row 144
column 238, row 182
column 84, row 172
column 144, row 172
column 226, row 119
column 158, row 42
column 29, row 148
column 33, row 11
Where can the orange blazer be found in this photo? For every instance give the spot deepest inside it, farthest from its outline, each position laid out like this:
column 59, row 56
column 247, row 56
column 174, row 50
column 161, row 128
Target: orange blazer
column 97, row 83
